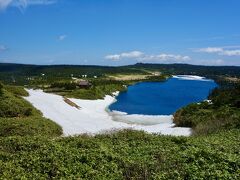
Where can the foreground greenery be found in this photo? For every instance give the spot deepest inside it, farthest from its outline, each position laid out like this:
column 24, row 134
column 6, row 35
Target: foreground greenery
column 122, row 155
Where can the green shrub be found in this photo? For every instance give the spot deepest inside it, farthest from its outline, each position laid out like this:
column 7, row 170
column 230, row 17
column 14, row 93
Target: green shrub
column 123, row 155
column 16, row 90
column 97, row 92
column 222, row 113
column 14, row 106
column 29, row 126
column 19, row 118
column 206, row 119
column 1, row 88
column 65, row 85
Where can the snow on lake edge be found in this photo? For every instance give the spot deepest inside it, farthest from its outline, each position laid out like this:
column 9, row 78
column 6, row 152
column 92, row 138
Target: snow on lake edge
column 94, row 118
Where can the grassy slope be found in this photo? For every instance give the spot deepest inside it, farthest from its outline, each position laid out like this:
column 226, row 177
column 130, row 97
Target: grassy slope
column 122, row 155
column 18, row 117
column 222, row 113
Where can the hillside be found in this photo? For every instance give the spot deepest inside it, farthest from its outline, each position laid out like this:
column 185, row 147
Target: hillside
column 23, row 74
column 31, row 146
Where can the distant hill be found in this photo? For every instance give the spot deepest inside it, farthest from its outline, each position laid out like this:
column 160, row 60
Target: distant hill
column 12, row 73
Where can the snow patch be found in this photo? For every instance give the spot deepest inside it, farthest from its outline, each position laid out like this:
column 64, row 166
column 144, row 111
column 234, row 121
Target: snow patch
column 93, row 117
column 191, row 77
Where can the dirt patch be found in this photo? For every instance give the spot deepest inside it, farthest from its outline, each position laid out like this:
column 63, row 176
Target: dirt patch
column 232, row 79
column 69, row 102
column 128, row 77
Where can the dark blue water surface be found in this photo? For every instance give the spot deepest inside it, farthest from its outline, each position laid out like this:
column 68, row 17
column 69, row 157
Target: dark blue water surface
column 162, row 98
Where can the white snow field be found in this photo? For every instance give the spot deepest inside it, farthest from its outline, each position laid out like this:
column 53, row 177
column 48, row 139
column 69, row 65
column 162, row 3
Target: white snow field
column 94, row 117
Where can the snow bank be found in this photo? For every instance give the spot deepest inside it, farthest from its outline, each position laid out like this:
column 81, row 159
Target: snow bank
column 141, row 119
column 94, row 118
column 191, row 77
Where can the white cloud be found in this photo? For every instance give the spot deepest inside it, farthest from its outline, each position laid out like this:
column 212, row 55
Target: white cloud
column 166, row 57
column 3, row 48
column 62, row 37
column 210, row 50
column 22, row 4
column 226, row 51
column 140, row 56
column 133, row 54
column 231, row 52
column 4, row 4
column 113, row 57
column 125, row 55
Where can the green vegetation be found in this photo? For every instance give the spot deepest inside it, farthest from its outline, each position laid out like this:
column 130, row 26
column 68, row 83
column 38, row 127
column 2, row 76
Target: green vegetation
column 98, row 90
column 18, row 117
column 13, row 106
column 207, row 117
column 31, row 146
column 33, row 75
column 28, row 126
column 16, row 90
column 122, row 155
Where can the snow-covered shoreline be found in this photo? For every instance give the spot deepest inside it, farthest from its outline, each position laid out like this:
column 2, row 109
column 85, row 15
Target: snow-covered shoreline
column 191, row 77
column 94, row 116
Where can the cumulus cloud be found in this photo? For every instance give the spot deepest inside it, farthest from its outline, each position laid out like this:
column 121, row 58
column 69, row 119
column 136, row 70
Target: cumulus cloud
column 210, row 50
column 226, row 51
column 126, row 55
column 231, row 52
column 113, row 57
column 166, row 57
column 22, row 4
column 3, row 48
column 133, row 54
column 140, row 56
column 62, row 37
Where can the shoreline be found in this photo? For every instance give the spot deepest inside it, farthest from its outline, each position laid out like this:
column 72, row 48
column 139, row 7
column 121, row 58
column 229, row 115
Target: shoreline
column 94, row 117
column 191, row 77
column 120, row 116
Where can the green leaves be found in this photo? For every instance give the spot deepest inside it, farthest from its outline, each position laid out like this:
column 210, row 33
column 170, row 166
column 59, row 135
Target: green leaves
column 121, row 155
column 19, row 118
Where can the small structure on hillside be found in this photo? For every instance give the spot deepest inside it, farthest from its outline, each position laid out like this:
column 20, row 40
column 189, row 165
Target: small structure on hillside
column 84, row 84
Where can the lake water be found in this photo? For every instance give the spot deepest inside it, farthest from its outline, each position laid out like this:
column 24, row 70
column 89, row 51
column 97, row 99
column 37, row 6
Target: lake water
column 162, row 98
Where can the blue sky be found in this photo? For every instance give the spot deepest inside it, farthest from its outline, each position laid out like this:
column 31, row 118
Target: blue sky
column 119, row 32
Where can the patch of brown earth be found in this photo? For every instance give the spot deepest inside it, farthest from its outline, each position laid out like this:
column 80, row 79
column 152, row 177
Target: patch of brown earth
column 69, row 102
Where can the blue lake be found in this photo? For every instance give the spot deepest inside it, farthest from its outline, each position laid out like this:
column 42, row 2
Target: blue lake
column 162, row 98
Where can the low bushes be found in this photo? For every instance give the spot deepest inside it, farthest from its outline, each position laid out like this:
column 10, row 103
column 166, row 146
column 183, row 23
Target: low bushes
column 205, row 119
column 97, row 92
column 16, row 90
column 222, row 113
column 29, row 126
column 19, row 118
column 122, row 155
column 30, row 146
column 14, row 106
